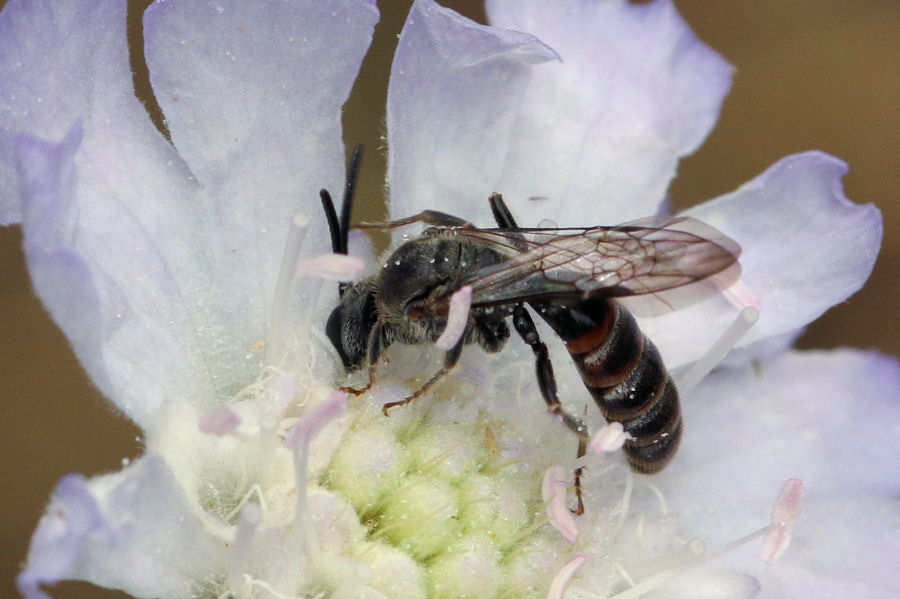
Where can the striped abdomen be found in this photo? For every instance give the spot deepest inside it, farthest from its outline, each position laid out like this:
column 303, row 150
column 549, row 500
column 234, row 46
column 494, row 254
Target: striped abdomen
column 624, row 373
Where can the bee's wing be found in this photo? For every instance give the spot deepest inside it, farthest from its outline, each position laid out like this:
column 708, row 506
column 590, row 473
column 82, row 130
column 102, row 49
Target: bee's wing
column 671, row 262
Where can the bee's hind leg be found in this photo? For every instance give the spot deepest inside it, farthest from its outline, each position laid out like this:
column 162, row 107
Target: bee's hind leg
column 524, row 325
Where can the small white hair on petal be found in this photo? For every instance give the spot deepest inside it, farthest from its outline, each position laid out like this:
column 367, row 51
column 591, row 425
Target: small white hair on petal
column 558, row 586
column 457, row 318
column 785, row 513
column 553, row 492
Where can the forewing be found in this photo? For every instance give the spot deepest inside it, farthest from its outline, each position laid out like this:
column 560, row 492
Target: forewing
column 670, row 262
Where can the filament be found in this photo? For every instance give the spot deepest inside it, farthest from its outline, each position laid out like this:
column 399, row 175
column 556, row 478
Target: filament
column 738, row 328
column 277, row 324
column 784, row 514
column 243, row 539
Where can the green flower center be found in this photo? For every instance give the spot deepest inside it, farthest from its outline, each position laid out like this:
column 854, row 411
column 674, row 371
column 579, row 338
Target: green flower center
column 447, row 501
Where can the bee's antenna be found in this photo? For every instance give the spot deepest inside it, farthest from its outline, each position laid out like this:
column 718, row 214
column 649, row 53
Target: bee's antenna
column 340, row 229
column 349, row 189
column 501, row 212
column 333, row 225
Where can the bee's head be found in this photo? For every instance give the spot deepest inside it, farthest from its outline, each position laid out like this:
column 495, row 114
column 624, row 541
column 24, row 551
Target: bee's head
column 351, row 322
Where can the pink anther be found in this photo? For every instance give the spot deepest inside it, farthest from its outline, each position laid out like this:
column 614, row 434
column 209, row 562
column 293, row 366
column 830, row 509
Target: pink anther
column 553, row 492
column 558, row 586
column 610, row 438
column 315, row 420
column 219, row 421
column 740, row 296
column 332, row 267
column 457, row 319
column 784, row 514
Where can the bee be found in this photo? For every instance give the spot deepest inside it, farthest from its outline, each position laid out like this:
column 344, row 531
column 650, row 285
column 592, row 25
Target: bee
column 576, row 279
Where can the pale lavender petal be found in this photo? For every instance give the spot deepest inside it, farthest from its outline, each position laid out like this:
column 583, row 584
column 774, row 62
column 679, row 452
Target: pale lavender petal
column 599, row 135
column 805, row 247
column 64, row 72
column 133, row 530
column 831, row 419
column 252, row 93
column 172, row 280
column 117, row 303
column 65, row 61
column 454, row 94
column 72, row 516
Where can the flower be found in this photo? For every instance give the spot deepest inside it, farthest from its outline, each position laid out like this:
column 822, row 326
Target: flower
column 162, row 263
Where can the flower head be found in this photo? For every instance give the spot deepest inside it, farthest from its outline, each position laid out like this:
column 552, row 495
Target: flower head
column 184, row 274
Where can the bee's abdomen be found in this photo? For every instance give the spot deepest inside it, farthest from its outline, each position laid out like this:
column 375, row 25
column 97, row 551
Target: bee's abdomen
column 624, row 373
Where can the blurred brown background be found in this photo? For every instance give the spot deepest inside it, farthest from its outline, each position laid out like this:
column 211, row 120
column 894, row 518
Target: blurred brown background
column 811, row 74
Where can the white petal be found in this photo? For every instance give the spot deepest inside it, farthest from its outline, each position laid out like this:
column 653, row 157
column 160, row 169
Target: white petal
column 805, row 248
column 600, row 133
column 133, row 530
column 831, row 419
column 453, row 96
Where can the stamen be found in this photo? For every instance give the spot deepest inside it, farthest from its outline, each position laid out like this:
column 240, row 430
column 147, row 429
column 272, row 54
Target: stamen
column 277, row 328
column 219, row 421
column 298, row 443
column 784, row 514
column 457, row 318
column 332, row 267
column 663, row 506
column 669, row 561
column 240, row 549
column 558, row 586
column 610, row 438
column 778, row 535
column 740, row 296
column 553, row 492
column 743, row 323
column 255, row 490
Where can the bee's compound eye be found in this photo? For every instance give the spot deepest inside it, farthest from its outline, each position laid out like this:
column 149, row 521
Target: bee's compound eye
column 333, row 329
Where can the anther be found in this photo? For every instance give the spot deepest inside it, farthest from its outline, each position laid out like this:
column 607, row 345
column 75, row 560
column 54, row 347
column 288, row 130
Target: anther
column 298, row 443
column 609, row 438
column 553, row 493
column 558, row 586
column 784, row 514
column 457, row 319
column 219, row 421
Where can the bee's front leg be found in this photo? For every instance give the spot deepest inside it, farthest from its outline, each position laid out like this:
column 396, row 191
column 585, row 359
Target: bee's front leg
column 451, row 357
